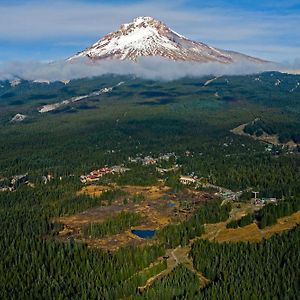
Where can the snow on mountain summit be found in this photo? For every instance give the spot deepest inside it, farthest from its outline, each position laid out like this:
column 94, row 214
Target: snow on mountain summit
column 146, row 36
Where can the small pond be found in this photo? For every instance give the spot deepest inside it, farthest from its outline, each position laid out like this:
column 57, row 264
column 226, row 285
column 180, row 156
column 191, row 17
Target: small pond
column 145, row 234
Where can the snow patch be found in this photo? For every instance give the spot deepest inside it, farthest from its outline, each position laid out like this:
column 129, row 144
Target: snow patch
column 293, row 89
column 210, row 81
column 65, row 82
column 42, row 81
column 15, row 82
column 120, row 83
column 18, row 118
column 54, row 106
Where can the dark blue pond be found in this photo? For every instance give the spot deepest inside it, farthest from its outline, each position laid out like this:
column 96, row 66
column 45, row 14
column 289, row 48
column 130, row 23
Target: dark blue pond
column 145, row 234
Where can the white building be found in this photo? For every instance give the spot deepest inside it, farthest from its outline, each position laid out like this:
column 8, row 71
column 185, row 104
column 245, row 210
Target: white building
column 187, row 180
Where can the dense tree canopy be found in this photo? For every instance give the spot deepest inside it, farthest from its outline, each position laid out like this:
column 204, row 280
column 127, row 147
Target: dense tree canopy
column 139, row 118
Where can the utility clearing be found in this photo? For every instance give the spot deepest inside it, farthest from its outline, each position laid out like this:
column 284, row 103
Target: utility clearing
column 219, row 233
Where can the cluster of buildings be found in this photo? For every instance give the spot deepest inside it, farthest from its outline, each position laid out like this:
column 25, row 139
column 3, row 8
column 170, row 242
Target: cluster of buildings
column 187, row 180
column 48, row 178
column 263, row 201
column 9, row 185
column 203, row 182
column 166, row 170
column 95, row 175
column 192, row 179
column 149, row 160
column 229, row 195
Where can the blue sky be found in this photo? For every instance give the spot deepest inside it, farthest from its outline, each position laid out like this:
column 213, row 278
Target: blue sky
column 49, row 30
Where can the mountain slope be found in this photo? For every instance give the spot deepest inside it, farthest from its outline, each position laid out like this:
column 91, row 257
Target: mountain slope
column 146, row 36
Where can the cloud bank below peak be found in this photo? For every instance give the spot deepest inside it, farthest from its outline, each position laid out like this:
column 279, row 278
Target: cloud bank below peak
column 147, row 67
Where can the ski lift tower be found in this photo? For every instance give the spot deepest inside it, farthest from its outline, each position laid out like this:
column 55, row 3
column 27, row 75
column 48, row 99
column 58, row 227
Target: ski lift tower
column 255, row 195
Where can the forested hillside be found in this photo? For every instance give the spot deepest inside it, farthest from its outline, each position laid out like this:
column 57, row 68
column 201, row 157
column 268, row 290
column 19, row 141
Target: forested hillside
column 191, row 119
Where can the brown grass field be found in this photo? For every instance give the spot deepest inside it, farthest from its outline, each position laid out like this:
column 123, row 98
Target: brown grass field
column 156, row 213
column 154, row 209
column 94, row 190
column 250, row 233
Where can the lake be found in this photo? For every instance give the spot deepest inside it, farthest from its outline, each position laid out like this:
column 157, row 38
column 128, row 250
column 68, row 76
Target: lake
column 145, row 234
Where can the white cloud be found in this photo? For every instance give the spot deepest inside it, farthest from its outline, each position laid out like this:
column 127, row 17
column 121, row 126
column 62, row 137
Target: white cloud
column 148, row 67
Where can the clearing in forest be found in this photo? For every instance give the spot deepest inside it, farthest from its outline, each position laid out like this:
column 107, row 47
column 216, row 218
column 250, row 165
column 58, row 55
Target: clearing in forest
column 250, row 233
column 218, row 232
column 156, row 205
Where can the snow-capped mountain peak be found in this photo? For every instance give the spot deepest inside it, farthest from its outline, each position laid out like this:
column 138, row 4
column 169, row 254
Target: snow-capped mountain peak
column 146, row 36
